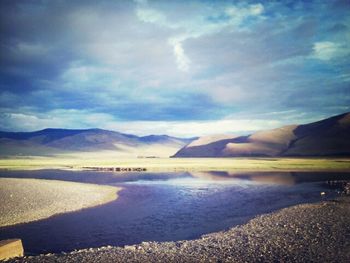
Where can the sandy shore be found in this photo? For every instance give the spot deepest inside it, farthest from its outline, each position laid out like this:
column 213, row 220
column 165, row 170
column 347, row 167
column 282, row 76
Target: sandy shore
column 304, row 233
column 25, row 200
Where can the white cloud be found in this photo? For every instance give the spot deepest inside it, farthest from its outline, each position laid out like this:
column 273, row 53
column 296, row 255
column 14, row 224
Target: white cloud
column 79, row 76
column 182, row 60
column 256, row 9
column 197, row 24
column 327, row 50
column 59, row 118
column 193, row 128
column 141, row 2
column 235, row 124
column 237, row 14
column 236, row 58
column 229, row 94
column 200, row 128
column 78, row 119
column 149, row 15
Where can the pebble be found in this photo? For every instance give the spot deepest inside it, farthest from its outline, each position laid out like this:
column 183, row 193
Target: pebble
column 303, row 233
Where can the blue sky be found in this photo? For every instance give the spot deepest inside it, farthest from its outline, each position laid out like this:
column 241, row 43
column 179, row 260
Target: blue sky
column 183, row 68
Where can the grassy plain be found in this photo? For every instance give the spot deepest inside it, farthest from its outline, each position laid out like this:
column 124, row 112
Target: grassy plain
column 177, row 164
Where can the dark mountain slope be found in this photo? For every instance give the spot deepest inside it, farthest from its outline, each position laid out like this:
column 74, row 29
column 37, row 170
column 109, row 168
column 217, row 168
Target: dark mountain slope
column 329, row 137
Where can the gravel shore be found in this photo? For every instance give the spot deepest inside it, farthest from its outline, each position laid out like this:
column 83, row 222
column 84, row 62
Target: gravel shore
column 25, row 200
column 303, row 233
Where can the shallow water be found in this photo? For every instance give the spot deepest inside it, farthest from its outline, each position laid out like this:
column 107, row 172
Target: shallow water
column 165, row 206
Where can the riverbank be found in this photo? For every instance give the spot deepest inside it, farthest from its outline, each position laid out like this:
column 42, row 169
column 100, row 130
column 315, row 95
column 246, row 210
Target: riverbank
column 303, row 233
column 26, row 200
column 105, row 163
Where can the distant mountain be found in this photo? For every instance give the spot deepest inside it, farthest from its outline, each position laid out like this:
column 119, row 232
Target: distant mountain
column 329, row 137
column 61, row 141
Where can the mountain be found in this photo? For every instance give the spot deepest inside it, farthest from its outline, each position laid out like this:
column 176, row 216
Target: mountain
column 328, row 137
column 61, row 141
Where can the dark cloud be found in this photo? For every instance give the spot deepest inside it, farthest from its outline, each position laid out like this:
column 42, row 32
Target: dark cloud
column 172, row 61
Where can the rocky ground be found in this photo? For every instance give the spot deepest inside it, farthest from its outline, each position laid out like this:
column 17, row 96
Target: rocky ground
column 304, row 233
column 25, row 200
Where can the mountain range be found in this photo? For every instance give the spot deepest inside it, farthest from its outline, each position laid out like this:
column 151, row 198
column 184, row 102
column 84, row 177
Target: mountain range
column 328, row 137
column 63, row 141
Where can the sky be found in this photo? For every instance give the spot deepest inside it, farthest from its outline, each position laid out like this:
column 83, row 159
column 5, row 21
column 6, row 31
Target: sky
column 182, row 68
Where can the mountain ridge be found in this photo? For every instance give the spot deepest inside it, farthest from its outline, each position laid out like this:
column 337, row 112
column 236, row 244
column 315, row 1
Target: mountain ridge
column 327, row 137
column 57, row 141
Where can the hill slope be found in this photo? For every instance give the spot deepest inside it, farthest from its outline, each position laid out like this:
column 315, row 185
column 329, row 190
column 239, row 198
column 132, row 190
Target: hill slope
column 61, row 141
column 329, row 137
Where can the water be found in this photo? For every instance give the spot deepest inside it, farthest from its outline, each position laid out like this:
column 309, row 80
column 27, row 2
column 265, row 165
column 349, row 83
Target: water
column 165, row 206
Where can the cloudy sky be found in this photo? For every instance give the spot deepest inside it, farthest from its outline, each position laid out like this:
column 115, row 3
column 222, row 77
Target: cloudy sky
column 182, row 68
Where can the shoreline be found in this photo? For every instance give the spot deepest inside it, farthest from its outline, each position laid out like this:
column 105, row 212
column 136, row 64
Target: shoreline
column 307, row 232
column 28, row 200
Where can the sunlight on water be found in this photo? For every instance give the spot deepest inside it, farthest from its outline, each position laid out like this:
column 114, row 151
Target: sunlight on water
column 195, row 182
column 165, row 206
column 215, row 178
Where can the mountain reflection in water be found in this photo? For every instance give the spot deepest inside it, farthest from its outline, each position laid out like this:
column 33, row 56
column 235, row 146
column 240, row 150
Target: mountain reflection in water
column 165, row 206
column 281, row 178
column 110, row 178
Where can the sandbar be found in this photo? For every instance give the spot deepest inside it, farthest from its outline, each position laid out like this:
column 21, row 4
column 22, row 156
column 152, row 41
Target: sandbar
column 26, row 200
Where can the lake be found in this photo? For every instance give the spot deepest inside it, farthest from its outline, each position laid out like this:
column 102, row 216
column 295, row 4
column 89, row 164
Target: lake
column 165, row 206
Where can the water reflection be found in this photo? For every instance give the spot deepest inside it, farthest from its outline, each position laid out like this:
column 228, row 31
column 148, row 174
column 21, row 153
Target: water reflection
column 279, row 178
column 165, row 206
column 260, row 178
column 223, row 177
column 94, row 177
